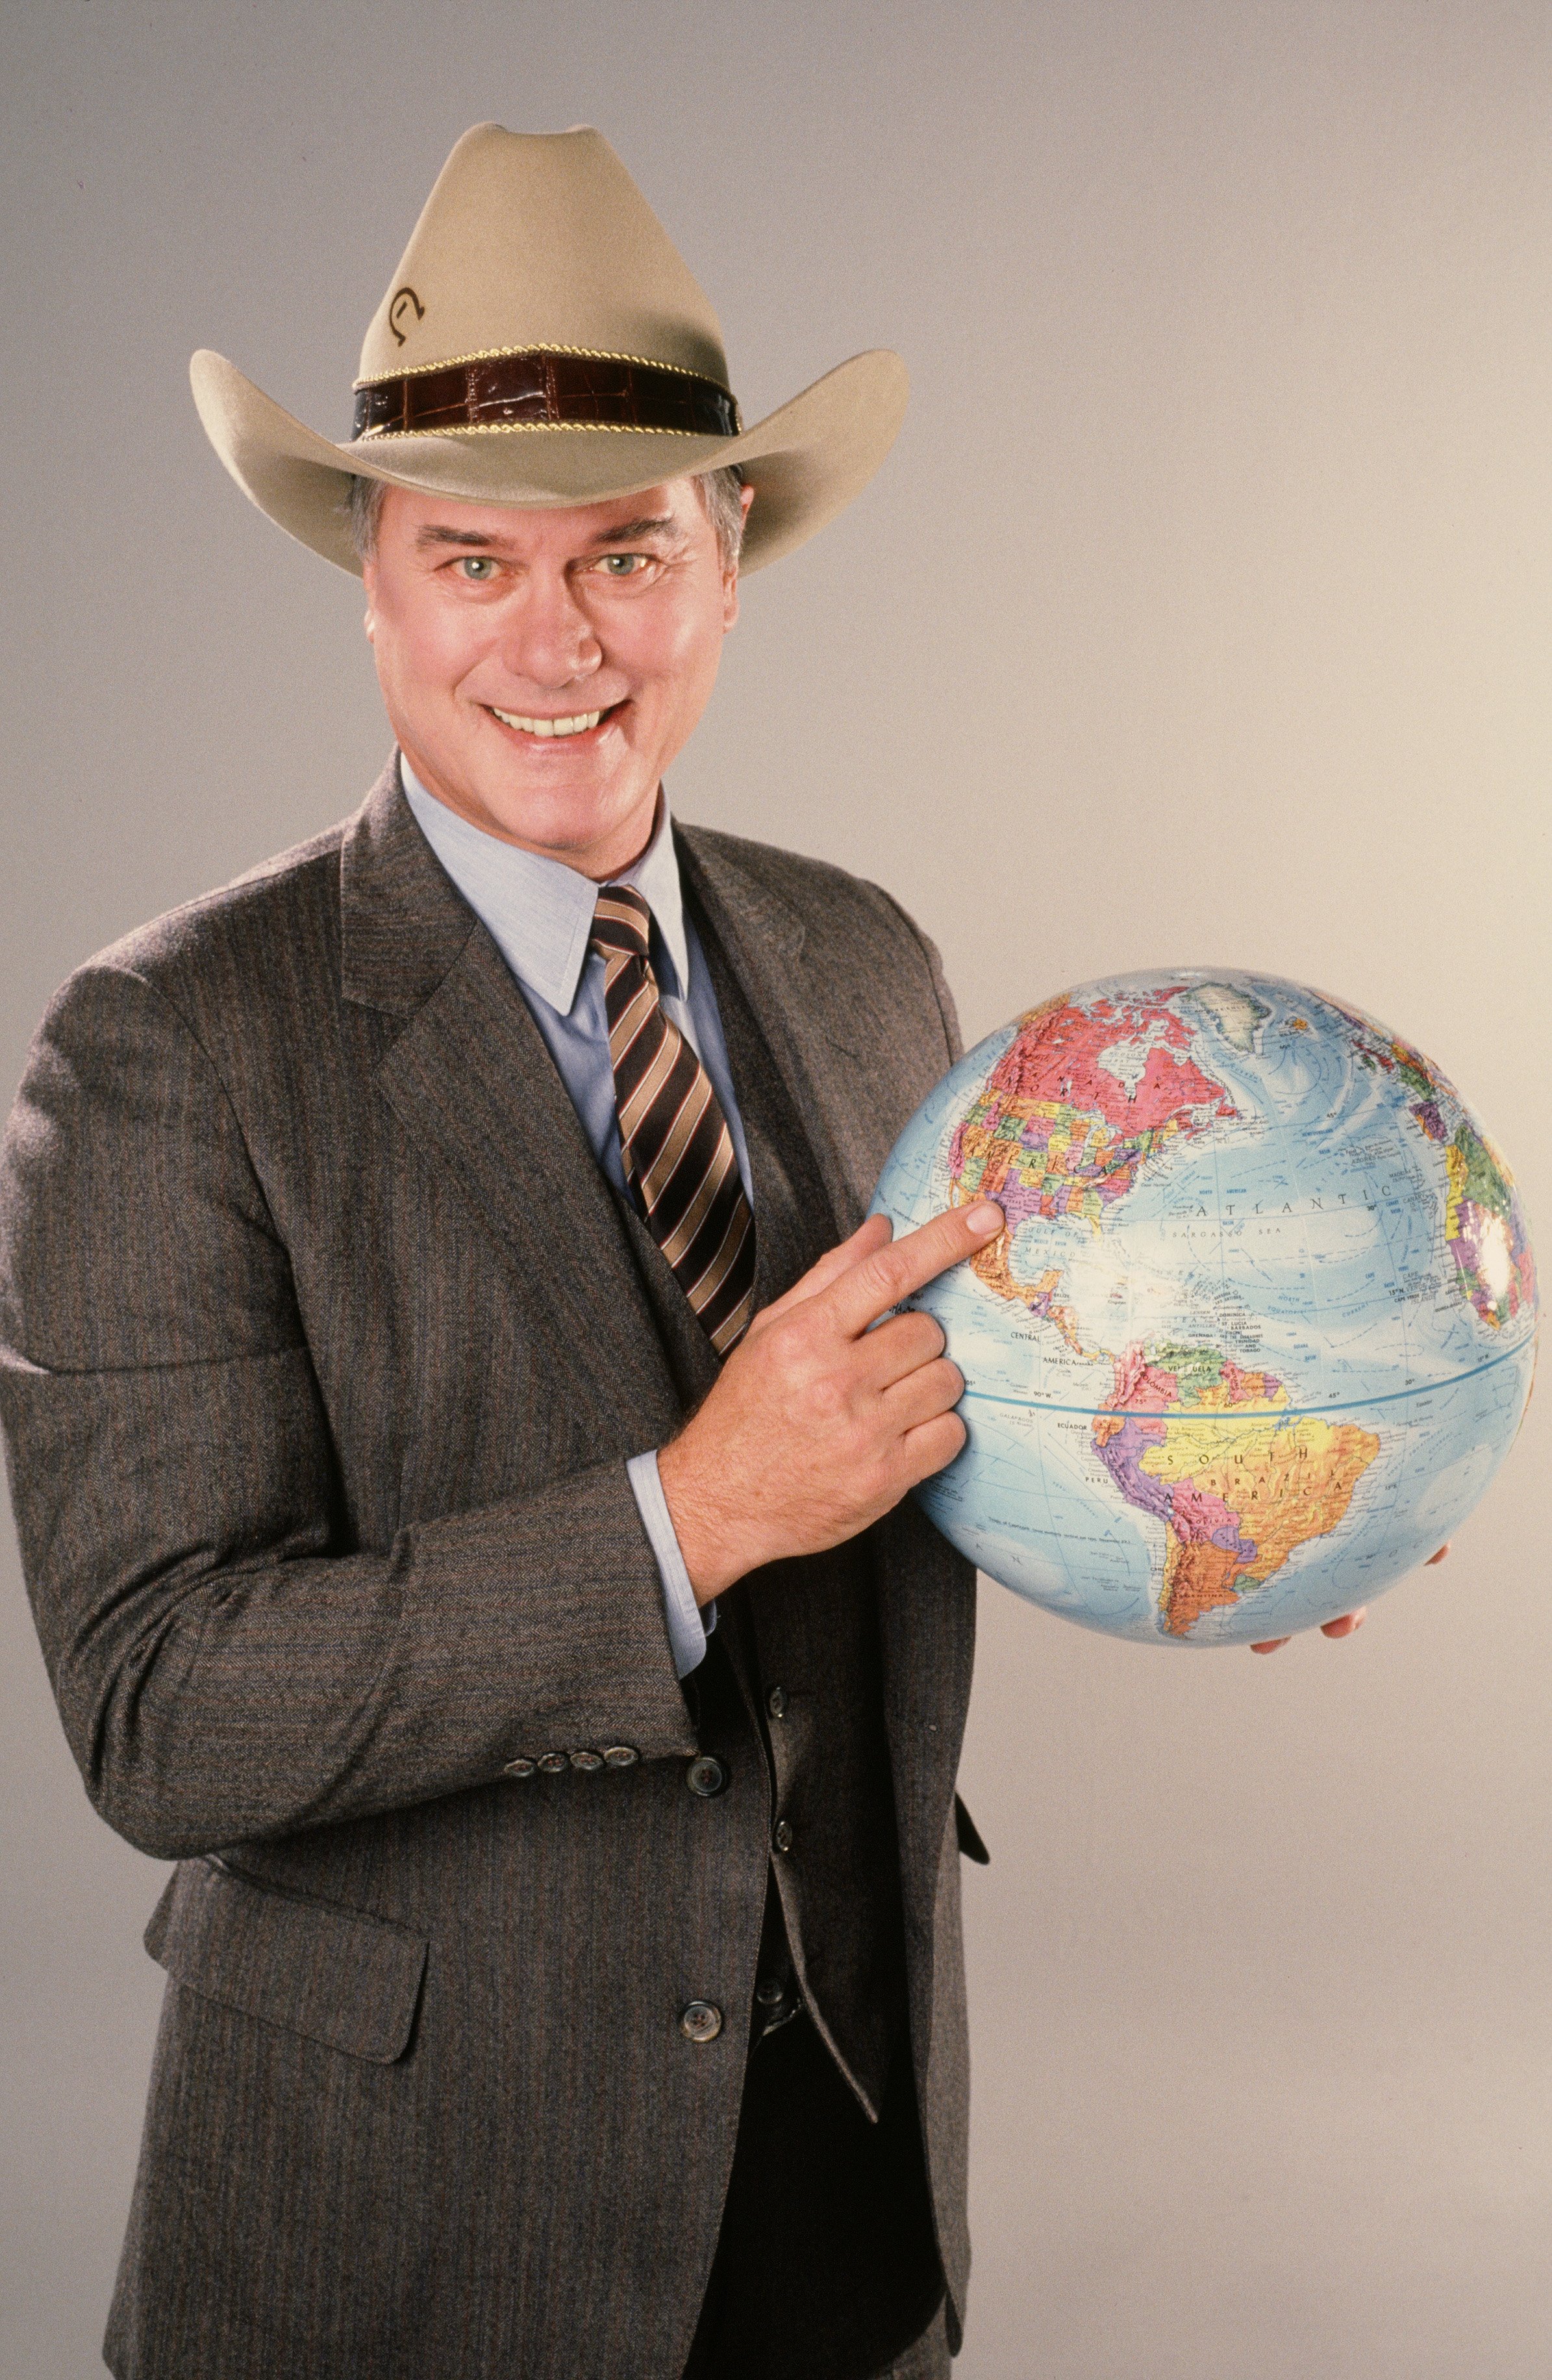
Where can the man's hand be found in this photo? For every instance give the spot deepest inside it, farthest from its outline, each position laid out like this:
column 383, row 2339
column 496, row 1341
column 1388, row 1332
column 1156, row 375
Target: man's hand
column 820, row 1423
column 1346, row 1626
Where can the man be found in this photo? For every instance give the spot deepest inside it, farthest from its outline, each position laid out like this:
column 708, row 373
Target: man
column 459, row 1422
column 458, row 1429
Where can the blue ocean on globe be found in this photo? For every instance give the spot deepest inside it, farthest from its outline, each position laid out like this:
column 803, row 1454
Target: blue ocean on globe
column 1263, row 1322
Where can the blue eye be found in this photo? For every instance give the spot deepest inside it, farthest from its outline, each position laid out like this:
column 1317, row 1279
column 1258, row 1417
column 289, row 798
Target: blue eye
column 622, row 566
column 478, row 567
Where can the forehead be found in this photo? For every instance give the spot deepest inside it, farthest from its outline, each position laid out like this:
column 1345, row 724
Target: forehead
column 671, row 512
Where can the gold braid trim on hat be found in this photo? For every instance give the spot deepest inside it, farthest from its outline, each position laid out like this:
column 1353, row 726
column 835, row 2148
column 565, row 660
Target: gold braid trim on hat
column 528, row 429
column 539, row 347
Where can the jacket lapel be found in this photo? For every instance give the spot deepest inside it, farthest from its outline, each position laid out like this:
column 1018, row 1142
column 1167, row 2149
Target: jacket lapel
column 763, row 939
column 926, row 1610
column 469, row 1076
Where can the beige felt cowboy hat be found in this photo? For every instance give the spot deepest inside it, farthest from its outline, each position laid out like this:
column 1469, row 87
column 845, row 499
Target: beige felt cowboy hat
column 543, row 342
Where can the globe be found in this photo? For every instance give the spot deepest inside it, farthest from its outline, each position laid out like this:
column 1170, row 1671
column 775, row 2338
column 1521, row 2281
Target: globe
column 1262, row 1325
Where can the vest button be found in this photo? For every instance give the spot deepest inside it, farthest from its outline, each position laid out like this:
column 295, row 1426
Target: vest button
column 776, row 1701
column 551, row 1763
column 706, row 1777
column 783, row 1838
column 620, row 1755
column 700, row 2021
column 519, row 1768
column 585, row 1759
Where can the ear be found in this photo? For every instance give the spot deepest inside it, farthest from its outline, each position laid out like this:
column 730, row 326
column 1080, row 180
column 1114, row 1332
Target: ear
column 730, row 578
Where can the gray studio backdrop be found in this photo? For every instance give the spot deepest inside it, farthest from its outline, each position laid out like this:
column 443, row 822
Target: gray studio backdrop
column 1201, row 616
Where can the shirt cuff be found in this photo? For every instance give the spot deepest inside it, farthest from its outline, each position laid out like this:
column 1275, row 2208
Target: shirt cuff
column 689, row 1626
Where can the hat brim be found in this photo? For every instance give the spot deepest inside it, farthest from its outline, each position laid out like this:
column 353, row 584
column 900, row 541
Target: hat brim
column 805, row 461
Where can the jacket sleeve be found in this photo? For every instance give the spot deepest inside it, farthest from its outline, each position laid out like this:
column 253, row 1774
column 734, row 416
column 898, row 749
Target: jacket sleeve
column 227, row 1664
column 948, row 1014
column 943, row 996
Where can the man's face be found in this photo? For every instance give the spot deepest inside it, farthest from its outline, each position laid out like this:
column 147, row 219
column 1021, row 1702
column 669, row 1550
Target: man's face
column 541, row 669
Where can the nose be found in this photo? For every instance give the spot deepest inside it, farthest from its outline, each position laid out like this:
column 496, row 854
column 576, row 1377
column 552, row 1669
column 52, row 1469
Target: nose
column 550, row 641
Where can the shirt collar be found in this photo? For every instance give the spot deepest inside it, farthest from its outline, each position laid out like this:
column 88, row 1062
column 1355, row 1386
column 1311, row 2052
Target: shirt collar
column 539, row 911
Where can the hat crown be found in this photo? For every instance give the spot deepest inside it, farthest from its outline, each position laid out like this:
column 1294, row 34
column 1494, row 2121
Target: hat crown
column 540, row 239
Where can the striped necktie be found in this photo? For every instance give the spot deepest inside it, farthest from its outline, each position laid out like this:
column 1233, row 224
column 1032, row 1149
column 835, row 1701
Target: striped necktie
column 675, row 1142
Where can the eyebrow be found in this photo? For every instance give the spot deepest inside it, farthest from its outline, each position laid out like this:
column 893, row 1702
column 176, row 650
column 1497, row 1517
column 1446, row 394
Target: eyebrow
column 650, row 525
column 626, row 533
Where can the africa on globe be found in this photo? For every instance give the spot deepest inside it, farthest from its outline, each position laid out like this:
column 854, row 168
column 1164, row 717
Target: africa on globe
column 1263, row 1322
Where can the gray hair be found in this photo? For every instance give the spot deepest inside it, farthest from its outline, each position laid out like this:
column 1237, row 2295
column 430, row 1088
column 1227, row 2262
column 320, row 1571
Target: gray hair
column 720, row 493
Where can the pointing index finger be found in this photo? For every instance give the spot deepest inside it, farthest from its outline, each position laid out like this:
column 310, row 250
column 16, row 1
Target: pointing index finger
column 883, row 1278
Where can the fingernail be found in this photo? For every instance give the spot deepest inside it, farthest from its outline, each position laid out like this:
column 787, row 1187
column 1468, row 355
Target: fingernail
column 985, row 1217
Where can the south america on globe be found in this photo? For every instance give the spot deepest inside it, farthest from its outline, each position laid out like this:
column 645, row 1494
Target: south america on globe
column 1263, row 1322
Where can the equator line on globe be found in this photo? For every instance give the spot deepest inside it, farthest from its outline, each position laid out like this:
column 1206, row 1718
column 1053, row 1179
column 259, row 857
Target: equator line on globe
column 1262, row 1325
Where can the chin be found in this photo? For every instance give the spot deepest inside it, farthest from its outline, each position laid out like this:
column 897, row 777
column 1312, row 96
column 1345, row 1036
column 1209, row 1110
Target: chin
column 563, row 818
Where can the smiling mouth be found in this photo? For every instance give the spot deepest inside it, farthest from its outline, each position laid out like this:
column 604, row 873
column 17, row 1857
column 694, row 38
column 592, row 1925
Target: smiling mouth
column 579, row 723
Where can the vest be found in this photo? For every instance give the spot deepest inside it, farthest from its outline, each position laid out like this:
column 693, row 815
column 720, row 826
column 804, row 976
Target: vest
column 792, row 1667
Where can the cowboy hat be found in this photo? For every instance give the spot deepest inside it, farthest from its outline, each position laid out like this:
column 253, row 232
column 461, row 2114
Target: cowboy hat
column 543, row 342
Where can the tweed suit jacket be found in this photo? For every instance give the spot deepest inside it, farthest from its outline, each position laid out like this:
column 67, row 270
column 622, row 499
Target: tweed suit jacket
column 324, row 1347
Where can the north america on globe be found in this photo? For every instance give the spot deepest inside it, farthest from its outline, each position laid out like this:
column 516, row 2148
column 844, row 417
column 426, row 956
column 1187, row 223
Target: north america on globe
column 1262, row 1323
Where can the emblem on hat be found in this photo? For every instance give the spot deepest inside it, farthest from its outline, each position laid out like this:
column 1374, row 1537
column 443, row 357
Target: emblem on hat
column 403, row 303
column 569, row 357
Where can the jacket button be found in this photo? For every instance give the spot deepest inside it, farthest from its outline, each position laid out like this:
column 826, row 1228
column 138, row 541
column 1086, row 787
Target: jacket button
column 589, row 1760
column 620, row 1755
column 776, row 1701
column 783, row 1838
column 700, row 2021
column 706, row 1777
column 519, row 1768
column 551, row 1763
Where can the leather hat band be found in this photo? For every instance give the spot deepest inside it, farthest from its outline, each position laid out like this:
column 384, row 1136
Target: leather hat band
column 546, row 388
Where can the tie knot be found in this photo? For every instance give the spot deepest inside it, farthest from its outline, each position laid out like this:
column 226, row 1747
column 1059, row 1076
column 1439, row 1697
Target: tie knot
column 621, row 922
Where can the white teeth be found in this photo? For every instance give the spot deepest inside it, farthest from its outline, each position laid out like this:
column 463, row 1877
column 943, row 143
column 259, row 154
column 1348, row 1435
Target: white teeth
column 577, row 726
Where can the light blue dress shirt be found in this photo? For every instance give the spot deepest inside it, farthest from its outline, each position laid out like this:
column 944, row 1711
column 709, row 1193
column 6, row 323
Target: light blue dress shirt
column 539, row 913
